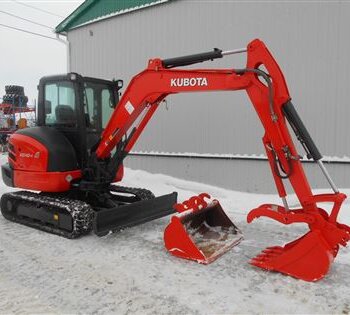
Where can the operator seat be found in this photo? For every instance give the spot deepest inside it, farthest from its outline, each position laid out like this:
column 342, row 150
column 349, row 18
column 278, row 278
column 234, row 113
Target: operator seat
column 65, row 115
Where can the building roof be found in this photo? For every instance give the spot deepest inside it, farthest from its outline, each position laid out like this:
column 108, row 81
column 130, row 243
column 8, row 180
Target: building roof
column 95, row 10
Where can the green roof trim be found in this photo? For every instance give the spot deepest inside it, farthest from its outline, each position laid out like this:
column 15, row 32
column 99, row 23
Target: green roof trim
column 95, row 10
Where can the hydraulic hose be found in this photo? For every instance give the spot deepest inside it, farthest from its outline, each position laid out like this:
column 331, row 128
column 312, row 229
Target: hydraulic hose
column 266, row 77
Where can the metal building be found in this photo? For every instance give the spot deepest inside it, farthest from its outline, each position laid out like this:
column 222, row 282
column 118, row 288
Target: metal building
column 215, row 138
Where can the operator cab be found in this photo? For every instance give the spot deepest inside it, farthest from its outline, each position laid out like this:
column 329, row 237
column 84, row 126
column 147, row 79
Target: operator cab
column 78, row 107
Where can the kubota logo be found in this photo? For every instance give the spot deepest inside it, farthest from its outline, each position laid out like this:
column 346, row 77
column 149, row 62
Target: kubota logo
column 189, row 82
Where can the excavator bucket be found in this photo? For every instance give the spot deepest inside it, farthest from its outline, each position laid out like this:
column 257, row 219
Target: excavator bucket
column 201, row 231
column 309, row 257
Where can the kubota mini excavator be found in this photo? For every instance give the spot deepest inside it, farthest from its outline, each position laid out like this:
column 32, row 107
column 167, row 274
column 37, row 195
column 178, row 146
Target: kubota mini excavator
column 73, row 162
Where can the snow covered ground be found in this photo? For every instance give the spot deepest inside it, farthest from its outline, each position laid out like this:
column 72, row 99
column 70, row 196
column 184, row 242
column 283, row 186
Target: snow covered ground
column 130, row 272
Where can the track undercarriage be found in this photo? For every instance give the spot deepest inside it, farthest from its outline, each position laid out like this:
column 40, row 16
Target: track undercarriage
column 74, row 214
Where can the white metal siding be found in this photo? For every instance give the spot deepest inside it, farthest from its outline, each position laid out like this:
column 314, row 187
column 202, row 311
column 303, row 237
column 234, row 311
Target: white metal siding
column 243, row 175
column 309, row 39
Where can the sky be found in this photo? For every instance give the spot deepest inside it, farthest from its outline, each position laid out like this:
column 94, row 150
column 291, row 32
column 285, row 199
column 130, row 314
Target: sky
column 25, row 58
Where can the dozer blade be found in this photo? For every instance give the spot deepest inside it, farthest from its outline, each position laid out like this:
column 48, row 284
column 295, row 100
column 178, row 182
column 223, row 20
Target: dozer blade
column 202, row 233
column 116, row 219
column 308, row 258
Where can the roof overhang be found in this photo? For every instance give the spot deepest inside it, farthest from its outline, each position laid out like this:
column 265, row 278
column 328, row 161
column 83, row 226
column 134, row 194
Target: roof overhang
column 68, row 23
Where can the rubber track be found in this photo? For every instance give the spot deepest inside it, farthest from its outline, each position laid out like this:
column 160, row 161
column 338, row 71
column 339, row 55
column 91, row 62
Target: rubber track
column 81, row 212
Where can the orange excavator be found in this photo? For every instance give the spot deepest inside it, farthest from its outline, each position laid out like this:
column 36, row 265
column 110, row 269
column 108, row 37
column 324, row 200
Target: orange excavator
column 72, row 160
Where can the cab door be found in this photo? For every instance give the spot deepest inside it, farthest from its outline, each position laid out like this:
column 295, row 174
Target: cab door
column 98, row 106
column 60, row 108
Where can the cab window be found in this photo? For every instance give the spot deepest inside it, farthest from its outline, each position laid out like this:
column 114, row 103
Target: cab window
column 91, row 108
column 107, row 106
column 60, row 107
column 98, row 104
